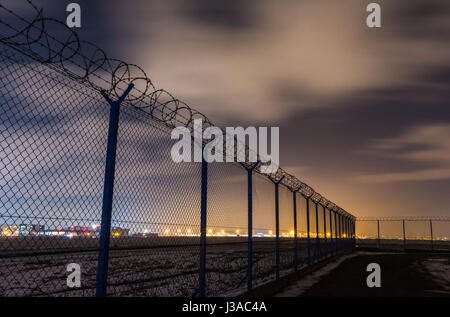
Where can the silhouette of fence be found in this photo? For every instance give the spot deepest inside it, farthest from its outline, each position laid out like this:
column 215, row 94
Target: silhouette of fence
column 141, row 225
column 426, row 233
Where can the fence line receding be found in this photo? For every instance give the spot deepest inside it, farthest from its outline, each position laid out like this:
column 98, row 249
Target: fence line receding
column 86, row 178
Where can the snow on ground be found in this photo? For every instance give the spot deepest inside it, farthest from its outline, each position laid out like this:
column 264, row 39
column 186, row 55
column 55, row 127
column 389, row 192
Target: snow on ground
column 167, row 271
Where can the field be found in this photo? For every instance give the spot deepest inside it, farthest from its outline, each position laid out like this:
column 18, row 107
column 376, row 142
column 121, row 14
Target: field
column 139, row 267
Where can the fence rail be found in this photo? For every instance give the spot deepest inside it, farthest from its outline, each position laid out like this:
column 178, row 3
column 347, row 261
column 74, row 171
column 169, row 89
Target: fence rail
column 139, row 225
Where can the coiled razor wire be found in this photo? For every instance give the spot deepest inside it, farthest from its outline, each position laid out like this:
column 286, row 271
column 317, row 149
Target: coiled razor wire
column 53, row 43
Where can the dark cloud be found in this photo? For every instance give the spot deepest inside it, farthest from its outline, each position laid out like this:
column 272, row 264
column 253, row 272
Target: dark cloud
column 438, row 75
column 418, row 19
column 231, row 14
column 334, row 87
column 419, row 11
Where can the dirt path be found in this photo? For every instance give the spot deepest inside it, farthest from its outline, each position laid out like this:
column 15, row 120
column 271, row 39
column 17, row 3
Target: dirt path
column 401, row 275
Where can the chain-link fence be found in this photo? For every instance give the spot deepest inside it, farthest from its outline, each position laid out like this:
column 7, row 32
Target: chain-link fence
column 410, row 233
column 141, row 225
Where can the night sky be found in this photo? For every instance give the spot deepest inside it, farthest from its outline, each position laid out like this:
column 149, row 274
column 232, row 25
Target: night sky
column 363, row 113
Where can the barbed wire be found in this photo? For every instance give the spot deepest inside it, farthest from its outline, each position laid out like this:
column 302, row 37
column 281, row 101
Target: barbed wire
column 54, row 44
column 407, row 218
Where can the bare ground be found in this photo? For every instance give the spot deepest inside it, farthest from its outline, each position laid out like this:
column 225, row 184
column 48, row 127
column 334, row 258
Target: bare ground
column 402, row 274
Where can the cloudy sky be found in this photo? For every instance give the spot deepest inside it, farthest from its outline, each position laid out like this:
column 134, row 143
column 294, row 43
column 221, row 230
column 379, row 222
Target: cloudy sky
column 363, row 113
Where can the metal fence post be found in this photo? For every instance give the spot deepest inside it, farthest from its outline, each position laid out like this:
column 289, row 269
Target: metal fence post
column 350, row 238
column 108, row 192
column 277, row 229
column 353, row 233
column 404, row 236
column 317, row 248
column 250, row 225
column 336, row 246
column 331, row 233
column 294, row 197
column 308, row 236
column 340, row 233
column 378, row 233
column 347, row 233
column 325, row 245
column 203, row 224
column 338, row 228
column 431, row 235
column 344, row 228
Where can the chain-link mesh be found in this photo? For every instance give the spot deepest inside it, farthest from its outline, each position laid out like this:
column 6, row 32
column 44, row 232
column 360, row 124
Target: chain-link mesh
column 53, row 138
column 54, row 125
column 155, row 218
column 227, row 229
column 414, row 233
column 287, row 231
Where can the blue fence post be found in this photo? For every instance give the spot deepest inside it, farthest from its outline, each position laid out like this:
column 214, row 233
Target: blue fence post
column 431, row 235
column 250, row 225
column 308, row 235
column 277, row 229
column 344, row 223
column 350, row 232
column 317, row 252
column 343, row 233
column 335, row 246
column 404, row 235
column 108, row 192
column 331, row 232
column 340, row 232
column 350, row 241
column 325, row 244
column 342, row 247
column 347, row 233
column 294, row 197
column 203, row 223
column 378, row 233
